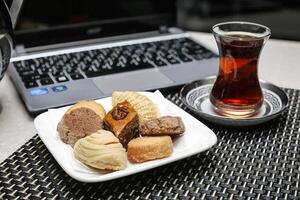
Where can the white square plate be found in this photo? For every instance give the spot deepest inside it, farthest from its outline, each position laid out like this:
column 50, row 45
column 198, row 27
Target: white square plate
column 197, row 138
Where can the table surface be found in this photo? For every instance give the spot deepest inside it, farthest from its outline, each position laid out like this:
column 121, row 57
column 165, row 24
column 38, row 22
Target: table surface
column 278, row 65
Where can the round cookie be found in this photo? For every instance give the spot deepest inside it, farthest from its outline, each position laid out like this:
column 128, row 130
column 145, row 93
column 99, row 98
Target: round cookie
column 82, row 119
column 96, row 107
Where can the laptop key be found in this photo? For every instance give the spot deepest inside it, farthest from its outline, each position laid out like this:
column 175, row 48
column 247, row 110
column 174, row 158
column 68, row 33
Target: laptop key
column 145, row 64
column 30, row 84
column 184, row 58
column 46, row 81
column 179, row 55
column 172, row 60
column 106, row 69
column 92, row 74
column 27, row 73
column 197, row 56
column 57, row 73
column 24, row 69
column 158, row 62
column 61, row 79
column 76, row 76
column 34, row 76
column 207, row 55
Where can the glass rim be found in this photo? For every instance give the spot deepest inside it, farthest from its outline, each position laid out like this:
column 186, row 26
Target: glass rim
column 263, row 35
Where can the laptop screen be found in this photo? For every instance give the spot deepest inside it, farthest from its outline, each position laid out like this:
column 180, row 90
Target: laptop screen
column 55, row 21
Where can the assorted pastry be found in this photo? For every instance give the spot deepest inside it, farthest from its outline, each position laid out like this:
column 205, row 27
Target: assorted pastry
column 145, row 108
column 166, row 125
column 123, row 121
column 132, row 130
column 80, row 120
column 149, row 148
column 101, row 150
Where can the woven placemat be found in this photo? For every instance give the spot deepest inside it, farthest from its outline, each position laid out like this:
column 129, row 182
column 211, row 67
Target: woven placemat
column 261, row 162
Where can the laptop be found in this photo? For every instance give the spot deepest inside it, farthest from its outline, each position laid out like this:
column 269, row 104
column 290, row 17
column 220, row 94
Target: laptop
column 66, row 51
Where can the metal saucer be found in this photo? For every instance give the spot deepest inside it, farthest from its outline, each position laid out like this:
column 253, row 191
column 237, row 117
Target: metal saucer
column 195, row 96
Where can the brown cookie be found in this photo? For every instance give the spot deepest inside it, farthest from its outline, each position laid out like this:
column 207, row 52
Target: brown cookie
column 82, row 119
column 166, row 125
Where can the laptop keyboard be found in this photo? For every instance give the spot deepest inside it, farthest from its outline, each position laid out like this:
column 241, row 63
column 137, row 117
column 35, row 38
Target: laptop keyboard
column 93, row 63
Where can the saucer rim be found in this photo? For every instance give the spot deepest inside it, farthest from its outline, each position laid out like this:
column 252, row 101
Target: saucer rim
column 228, row 121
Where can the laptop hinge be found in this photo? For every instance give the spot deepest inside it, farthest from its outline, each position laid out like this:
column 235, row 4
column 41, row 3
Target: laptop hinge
column 163, row 29
column 19, row 50
column 175, row 30
column 168, row 30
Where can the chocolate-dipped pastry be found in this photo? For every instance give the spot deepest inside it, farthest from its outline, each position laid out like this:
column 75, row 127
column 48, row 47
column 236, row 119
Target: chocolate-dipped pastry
column 123, row 121
column 166, row 125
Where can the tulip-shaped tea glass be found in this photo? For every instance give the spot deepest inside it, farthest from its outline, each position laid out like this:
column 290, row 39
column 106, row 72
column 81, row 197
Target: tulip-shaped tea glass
column 237, row 92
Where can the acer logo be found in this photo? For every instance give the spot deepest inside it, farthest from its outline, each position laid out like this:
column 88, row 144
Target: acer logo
column 92, row 31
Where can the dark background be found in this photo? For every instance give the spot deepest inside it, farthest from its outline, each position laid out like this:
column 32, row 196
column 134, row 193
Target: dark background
column 50, row 17
column 43, row 22
column 281, row 16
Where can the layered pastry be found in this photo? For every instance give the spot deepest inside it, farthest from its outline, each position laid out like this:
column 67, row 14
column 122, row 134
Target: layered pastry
column 149, row 148
column 166, row 125
column 123, row 121
column 80, row 120
column 145, row 108
column 101, row 150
